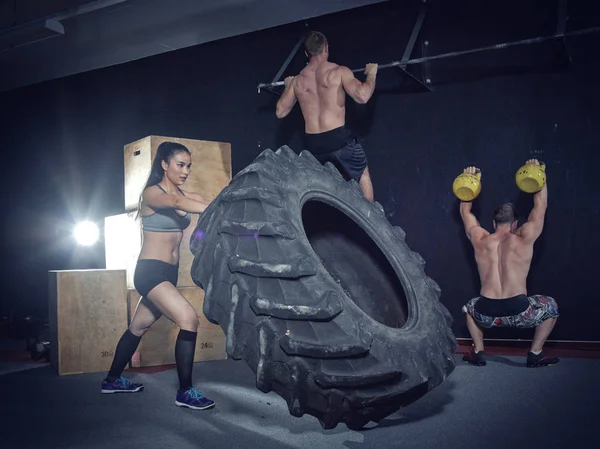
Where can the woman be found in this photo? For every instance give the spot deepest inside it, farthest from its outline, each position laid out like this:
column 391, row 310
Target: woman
column 165, row 212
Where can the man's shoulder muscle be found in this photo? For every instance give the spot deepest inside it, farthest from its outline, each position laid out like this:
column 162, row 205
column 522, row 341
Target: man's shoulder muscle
column 332, row 71
column 522, row 241
column 478, row 234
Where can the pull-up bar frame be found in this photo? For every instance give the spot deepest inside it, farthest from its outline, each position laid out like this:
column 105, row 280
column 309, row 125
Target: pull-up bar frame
column 407, row 52
column 560, row 34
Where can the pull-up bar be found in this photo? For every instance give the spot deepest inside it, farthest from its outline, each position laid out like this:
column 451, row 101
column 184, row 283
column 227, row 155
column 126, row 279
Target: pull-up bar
column 462, row 52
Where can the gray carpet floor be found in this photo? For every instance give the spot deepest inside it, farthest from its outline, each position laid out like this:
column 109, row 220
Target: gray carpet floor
column 502, row 405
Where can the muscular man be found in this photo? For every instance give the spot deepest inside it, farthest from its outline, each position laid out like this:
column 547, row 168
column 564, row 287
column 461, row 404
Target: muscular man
column 503, row 260
column 321, row 89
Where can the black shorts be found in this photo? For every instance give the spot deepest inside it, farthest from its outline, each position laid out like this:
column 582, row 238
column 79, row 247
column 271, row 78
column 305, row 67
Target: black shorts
column 150, row 272
column 342, row 148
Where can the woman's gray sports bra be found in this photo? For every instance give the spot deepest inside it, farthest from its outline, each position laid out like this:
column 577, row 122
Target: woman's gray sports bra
column 165, row 220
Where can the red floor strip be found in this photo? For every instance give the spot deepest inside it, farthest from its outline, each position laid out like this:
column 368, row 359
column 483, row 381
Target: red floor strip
column 151, row 369
column 585, row 350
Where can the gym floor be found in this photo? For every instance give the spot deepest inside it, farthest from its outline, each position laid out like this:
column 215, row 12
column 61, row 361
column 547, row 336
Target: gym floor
column 502, row 405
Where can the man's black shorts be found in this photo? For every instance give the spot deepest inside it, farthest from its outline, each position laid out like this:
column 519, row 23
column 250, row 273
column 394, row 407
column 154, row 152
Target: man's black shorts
column 342, row 148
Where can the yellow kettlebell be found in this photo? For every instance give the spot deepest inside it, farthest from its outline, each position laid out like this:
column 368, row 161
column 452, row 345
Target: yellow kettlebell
column 531, row 178
column 467, row 186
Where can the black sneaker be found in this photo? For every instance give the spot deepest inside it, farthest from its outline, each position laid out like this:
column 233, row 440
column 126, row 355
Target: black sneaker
column 475, row 358
column 535, row 361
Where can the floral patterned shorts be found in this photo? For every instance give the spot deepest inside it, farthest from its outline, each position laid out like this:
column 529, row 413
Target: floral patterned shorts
column 540, row 309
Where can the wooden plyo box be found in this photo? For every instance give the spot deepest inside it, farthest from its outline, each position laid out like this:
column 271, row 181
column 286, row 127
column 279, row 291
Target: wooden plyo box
column 88, row 315
column 210, row 173
column 122, row 243
column 157, row 346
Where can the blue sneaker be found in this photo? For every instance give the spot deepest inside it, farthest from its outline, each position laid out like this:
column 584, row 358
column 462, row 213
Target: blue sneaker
column 192, row 398
column 120, row 385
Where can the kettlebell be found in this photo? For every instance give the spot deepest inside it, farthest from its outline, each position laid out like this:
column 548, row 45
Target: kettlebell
column 466, row 186
column 531, row 178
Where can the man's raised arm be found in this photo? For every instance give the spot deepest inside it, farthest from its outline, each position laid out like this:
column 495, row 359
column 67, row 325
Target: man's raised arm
column 287, row 100
column 535, row 222
column 473, row 229
column 359, row 91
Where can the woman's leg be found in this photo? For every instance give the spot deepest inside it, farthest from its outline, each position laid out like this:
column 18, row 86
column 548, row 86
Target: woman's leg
column 145, row 315
column 174, row 306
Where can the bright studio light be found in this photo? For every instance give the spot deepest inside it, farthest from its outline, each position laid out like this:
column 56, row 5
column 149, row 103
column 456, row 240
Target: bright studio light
column 86, row 233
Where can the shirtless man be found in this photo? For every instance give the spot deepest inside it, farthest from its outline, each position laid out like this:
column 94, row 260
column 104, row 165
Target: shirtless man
column 503, row 260
column 321, row 89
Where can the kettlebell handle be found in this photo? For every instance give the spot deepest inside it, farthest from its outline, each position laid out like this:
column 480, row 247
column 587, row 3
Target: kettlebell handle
column 542, row 164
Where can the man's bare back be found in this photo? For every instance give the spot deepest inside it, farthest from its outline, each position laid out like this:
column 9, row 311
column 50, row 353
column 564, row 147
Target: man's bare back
column 503, row 261
column 320, row 89
column 321, row 96
column 504, row 257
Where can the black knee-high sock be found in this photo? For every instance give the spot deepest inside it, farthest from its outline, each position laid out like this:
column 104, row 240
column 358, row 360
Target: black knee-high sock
column 125, row 349
column 185, row 347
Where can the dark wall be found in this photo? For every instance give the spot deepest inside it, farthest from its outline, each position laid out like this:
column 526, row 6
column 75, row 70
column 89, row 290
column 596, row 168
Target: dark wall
column 63, row 140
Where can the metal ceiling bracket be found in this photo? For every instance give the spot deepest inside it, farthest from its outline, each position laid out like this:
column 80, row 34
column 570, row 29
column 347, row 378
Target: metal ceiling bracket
column 411, row 45
column 285, row 65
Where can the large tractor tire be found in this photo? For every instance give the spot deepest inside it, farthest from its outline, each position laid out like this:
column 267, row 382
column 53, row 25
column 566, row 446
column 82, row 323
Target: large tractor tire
column 319, row 293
